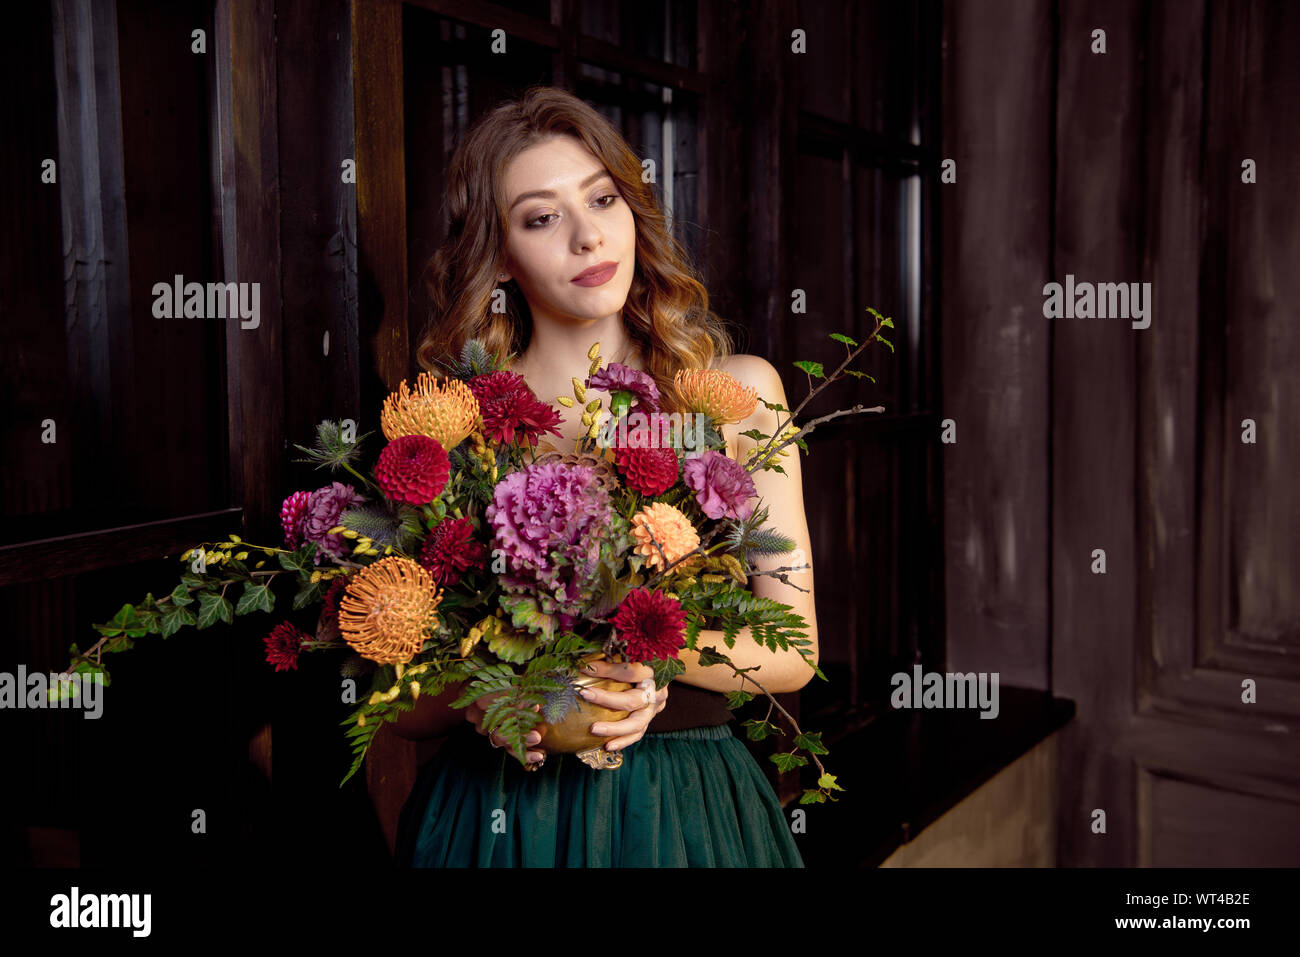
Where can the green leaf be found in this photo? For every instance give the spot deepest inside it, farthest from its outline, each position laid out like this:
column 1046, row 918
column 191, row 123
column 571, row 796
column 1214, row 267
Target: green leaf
column 711, row 656
column 309, row 593
column 814, row 369
column 811, row 741
column 756, row 729
column 858, row 375
column 255, row 598
column 840, row 337
column 213, row 607
column 886, row 342
column 827, row 782
column 756, row 435
column 812, row 797
column 788, row 760
column 887, row 322
column 181, row 596
column 666, row 669
column 174, row 619
column 513, row 646
column 774, row 406
column 738, row 699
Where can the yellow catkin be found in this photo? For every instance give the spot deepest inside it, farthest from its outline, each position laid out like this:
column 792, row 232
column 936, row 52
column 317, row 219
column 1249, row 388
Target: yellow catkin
column 593, row 405
column 236, row 538
column 595, row 366
column 586, row 419
column 376, row 698
column 594, row 350
column 187, row 554
column 565, row 401
column 594, row 430
column 579, row 389
column 415, row 690
column 336, row 530
column 315, row 577
column 348, row 533
column 241, row 556
column 362, row 721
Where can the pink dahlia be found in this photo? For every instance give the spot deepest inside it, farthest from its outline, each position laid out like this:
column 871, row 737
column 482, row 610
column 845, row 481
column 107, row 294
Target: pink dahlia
column 650, row 624
column 413, row 469
column 283, row 645
column 323, row 511
column 511, row 412
column 721, row 485
column 451, row 550
column 617, row 377
column 292, row 514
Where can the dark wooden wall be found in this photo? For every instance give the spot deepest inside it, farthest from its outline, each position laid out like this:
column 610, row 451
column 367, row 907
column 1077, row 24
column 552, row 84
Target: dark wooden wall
column 1083, row 434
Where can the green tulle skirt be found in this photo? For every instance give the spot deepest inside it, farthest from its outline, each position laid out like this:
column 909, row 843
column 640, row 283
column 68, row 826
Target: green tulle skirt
column 691, row 798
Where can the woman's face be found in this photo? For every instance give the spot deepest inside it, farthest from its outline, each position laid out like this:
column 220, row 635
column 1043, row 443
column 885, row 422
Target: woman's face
column 580, row 221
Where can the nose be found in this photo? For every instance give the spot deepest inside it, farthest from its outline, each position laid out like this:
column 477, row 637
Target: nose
column 587, row 234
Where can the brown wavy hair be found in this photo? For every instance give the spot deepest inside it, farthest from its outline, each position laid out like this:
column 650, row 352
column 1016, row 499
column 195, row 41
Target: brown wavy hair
column 666, row 313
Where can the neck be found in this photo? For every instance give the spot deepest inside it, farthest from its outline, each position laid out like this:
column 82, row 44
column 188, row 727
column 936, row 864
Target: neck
column 558, row 351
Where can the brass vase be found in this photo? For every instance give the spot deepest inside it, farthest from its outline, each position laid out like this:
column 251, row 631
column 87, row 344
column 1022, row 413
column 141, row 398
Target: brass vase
column 573, row 734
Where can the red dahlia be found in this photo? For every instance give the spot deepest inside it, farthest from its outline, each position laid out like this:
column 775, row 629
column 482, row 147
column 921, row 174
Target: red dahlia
column 413, row 469
column 648, row 471
column 451, row 550
column 283, row 646
column 651, row 625
column 330, row 609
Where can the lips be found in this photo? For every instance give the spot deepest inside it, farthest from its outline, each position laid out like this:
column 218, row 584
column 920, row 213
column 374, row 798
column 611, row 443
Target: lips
column 596, row 275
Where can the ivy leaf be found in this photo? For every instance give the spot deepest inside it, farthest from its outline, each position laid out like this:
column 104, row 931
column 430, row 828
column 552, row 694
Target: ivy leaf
column 174, row 619
column 827, row 782
column 711, row 656
column 811, row 741
column 788, row 760
column 738, row 699
column 814, row 369
column 887, row 322
column 886, row 342
column 812, row 797
column 774, row 406
column 756, row 729
column 308, row 594
column 213, row 607
column 839, row 337
column 756, row 435
column 255, row 598
column 858, row 375
column 181, row 596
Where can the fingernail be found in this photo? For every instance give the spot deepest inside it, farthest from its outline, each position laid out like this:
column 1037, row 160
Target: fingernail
column 534, row 758
column 586, row 693
column 533, row 737
column 597, row 729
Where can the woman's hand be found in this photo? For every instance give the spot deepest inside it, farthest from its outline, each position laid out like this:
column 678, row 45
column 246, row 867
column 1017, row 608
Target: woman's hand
column 474, row 715
column 642, row 701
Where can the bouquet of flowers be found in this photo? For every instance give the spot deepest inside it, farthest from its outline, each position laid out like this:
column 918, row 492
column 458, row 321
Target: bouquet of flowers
column 475, row 555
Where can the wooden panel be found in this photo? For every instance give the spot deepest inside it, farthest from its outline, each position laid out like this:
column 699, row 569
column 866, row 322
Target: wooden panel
column 1093, row 416
column 1196, row 824
column 996, row 244
column 95, row 269
column 318, row 242
column 1251, row 505
column 382, row 281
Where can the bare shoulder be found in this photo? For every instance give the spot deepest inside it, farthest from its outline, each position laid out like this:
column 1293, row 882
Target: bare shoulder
column 753, row 371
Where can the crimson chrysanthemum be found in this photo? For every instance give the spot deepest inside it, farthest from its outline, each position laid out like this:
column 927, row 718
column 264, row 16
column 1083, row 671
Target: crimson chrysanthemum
column 650, row 624
column 413, row 469
column 292, row 515
column 283, row 646
column 451, row 550
column 510, row 410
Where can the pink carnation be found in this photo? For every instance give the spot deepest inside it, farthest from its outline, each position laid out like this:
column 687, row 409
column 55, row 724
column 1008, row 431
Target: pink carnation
column 722, row 487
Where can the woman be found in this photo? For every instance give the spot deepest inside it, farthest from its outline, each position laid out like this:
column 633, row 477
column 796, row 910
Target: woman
column 555, row 242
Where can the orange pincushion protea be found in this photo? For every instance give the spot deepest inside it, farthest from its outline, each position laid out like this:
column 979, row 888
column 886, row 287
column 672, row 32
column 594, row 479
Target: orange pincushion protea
column 446, row 412
column 670, row 528
column 717, row 394
column 387, row 609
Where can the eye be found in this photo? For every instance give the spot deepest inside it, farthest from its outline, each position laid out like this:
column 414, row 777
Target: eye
column 612, row 197
column 537, row 223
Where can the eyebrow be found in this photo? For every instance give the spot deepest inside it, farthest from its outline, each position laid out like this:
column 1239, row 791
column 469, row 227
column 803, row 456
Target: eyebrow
column 550, row 193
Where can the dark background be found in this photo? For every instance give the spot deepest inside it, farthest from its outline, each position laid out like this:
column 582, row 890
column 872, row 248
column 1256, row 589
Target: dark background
column 817, row 171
